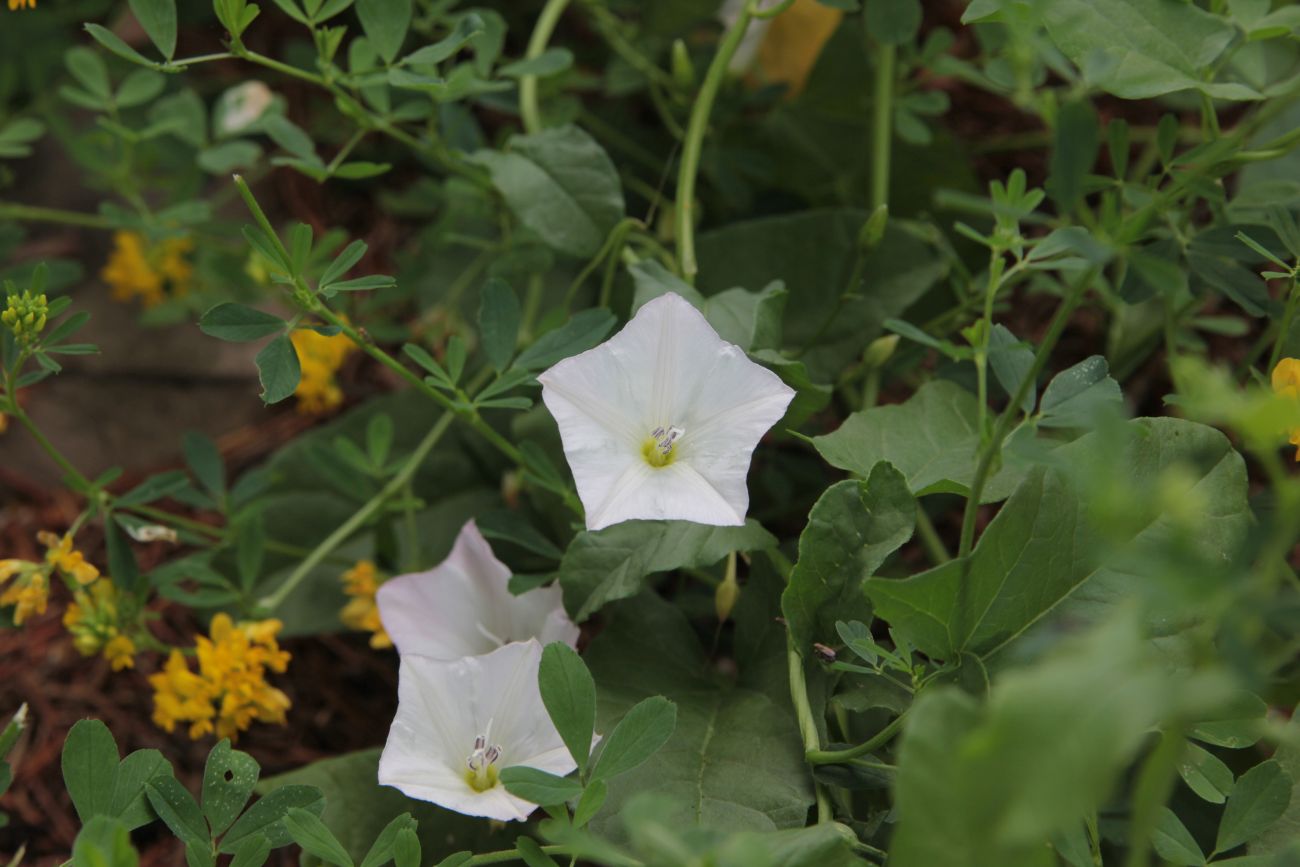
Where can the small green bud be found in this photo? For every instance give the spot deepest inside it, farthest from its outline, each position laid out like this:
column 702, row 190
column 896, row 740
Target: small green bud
column 879, row 351
column 26, row 315
column 683, row 69
column 724, row 599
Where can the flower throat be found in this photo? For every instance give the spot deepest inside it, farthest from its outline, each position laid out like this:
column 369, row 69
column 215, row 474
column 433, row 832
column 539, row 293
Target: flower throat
column 660, row 448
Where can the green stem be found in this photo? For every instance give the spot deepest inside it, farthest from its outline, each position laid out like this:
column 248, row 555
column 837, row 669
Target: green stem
column 341, row 533
column 991, row 448
column 613, row 242
column 505, row 856
column 882, row 126
column 807, row 721
column 930, row 537
column 693, row 143
column 996, row 267
column 345, row 150
column 835, row 757
column 33, row 214
column 529, row 110
column 82, row 483
column 1284, row 330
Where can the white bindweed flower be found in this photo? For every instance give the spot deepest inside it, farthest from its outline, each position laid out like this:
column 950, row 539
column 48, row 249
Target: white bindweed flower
column 461, row 721
column 660, row 421
column 463, row 606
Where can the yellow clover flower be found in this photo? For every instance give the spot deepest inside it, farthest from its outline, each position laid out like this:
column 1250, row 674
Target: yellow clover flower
column 1286, row 382
column 66, row 559
column 92, row 618
column 320, row 357
column 29, row 594
column 138, row 269
column 360, row 583
column 15, row 5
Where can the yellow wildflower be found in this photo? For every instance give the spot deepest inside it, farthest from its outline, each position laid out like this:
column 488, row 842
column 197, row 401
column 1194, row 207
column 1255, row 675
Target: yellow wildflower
column 15, row 5
column 120, row 652
column 361, row 582
column 1286, row 382
column 320, row 357
column 92, row 618
column 792, row 44
column 66, row 559
column 138, row 269
column 29, row 594
column 229, row 691
column 4, row 422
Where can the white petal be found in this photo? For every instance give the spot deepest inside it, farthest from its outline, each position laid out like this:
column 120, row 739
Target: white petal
column 444, row 704
column 667, row 367
column 463, row 606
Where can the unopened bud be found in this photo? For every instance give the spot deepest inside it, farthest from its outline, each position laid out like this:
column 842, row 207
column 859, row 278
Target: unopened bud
column 683, row 69
column 25, row 315
column 724, row 599
column 880, row 350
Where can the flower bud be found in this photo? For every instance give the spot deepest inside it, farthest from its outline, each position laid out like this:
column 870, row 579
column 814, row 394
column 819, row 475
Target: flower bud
column 879, row 351
column 724, row 599
column 683, row 69
column 25, row 315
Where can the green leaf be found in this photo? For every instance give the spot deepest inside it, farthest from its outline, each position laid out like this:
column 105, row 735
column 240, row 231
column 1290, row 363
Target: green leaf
column 851, row 529
column 139, row 87
column 237, row 323
column 382, row 849
column 204, row 461
column 1205, row 774
column 586, row 329
column 931, row 438
column 530, row 851
column 278, row 369
column 1259, row 799
column 569, row 694
column 613, row 563
column 344, row 262
column 1078, row 396
column 289, row 136
column 310, row 833
column 893, row 22
column 154, row 488
column 266, row 817
column 561, row 184
column 1173, row 842
column 734, row 761
column 1283, row 833
column 542, row 788
column 113, row 43
column 406, row 849
column 176, row 807
column 228, row 780
column 467, row 27
column 158, row 18
column 498, row 322
column 103, row 842
column 1011, row 361
column 593, row 798
column 252, row 852
column 130, row 800
column 91, row 72
column 1137, row 49
column 980, row 784
column 552, row 61
column 90, row 768
column 1044, row 555
column 386, row 23
column 1077, row 142
column 640, row 734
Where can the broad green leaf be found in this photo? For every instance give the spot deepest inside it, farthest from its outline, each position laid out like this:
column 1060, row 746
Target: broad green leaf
column 1283, row 833
column 278, row 369
column 1076, row 142
column 176, row 807
column 158, row 18
column 228, row 781
column 1011, row 361
column 1174, row 843
column 931, row 438
column 90, row 768
column 586, row 329
column 980, row 784
column 310, row 833
column 266, row 816
column 1078, row 396
column 827, row 314
column 103, row 842
column 1240, row 724
column 570, row 698
column 386, row 23
column 638, row 736
column 613, row 563
column 560, row 184
column 1205, row 774
column 1259, row 799
column 1137, row 49
column 851, row 529
column 235, row 322
column 498, row 322
column 735, row 760
column 204, row 461
column 359, row 811
column 542, row 788
column 1044, row 555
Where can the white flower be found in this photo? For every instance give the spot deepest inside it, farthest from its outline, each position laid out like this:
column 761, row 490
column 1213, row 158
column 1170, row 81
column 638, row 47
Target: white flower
column 463, row 606
column 659, row 421
column 460, row 721
column 241, row 106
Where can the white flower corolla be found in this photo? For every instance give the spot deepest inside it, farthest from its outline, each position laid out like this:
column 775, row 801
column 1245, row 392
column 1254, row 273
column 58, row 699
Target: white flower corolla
column 660, row 421
column 461, row 721
column 241, row 106
column 463, row 606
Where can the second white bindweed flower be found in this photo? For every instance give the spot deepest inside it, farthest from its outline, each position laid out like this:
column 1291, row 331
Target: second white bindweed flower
column 660, row 421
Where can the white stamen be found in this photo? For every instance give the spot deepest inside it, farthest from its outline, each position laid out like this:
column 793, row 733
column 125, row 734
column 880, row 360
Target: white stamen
column 483, row 630
column 665, row 438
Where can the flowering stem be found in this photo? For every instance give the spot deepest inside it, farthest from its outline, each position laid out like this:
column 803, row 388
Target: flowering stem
column 993, row 446
column 394, row 487
column 882, row 127
column 80, row 482
column 807, row 722
column 529, row 111
column 694, row 142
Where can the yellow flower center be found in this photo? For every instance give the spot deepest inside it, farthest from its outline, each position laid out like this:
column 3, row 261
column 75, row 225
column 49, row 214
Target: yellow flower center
column 660, row 448
column 481, row 773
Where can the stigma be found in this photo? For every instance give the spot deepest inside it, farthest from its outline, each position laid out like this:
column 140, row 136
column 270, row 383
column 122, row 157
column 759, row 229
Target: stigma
column 659, row 449
column 482, row 764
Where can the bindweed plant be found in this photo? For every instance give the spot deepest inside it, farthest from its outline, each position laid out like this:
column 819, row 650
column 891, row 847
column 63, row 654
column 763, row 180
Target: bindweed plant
column 764, row 432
